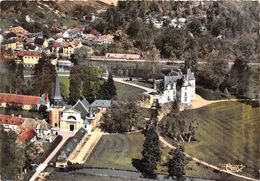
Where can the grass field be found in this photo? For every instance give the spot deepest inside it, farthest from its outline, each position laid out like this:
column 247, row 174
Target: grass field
column 117, row 151
column 123, row 91
column 228, row 132
column 127, row 92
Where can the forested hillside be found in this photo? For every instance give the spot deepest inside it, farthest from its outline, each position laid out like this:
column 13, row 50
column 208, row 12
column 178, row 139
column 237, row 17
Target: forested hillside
column 218, row 33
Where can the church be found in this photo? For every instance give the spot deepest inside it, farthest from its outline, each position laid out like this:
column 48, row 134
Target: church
column 174, row 87
column 81, row 115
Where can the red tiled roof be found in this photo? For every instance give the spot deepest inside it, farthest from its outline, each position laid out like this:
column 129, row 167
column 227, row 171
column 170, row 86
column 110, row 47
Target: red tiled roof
column 19, row 40
column 27, row 135
column 5, row 119
column 19, row 99
column 29, row 53
column 55, row 45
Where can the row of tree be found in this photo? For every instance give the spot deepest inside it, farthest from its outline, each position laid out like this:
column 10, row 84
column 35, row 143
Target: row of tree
column 151, row 156
column 86, row 80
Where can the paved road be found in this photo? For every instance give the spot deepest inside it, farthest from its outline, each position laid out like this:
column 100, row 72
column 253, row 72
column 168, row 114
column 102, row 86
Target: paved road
column 128, row 174
column 42, row 166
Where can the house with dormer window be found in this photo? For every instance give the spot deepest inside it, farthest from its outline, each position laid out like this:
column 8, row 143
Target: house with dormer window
column 170, row 92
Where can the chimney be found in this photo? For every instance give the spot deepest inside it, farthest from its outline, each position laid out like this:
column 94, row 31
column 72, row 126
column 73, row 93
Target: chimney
column 12, row 115
column 19, row 116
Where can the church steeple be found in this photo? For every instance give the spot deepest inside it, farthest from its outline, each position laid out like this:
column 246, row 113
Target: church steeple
column 57, row 99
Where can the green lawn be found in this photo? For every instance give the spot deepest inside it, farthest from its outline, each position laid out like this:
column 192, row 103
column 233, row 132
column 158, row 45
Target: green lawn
column 123, row 91
column 117, row 151
column 64, row 84
column 128, row 92
column 228, row 132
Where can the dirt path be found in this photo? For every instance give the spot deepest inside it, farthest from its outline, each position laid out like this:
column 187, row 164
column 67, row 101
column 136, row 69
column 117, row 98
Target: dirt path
column 88, row 147
column 205, row 163
column 200, row 102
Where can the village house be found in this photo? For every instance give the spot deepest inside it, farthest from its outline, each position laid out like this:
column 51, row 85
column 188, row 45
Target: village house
column 14, row 43
column 104, row 39
column 169, row 91
column 63, row 65
column 11, row 122
column 19, row 31
column 28, row 58
column 26, row 102
column 41, row 43
column 28, row 135
column 9, row 44
column 71, row 34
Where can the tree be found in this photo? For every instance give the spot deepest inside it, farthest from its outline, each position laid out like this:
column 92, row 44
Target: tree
column 108, row 88
column 12, row 156
column 176, row 163
column 151, row 152
column 19, row 81
column 88, row 91
column 240, row 72
column 195, row 27
column 90, row 76
column 155, row 109
column 122, row 117
column 111, row 86
column 75, row 85
column 246, row 47
column 80, row 55
column 44, row 76
column 172, row 42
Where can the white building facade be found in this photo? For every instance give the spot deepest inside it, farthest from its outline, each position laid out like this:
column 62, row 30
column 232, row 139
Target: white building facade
column 170, row 92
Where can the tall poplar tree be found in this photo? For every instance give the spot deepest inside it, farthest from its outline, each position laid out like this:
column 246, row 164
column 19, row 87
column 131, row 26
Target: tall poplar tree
column 44, row 76
column 176, row 163
column 75, row 85
column 151, row 152
column 19, row 81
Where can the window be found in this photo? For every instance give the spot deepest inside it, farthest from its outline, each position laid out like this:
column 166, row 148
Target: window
column 169, row 98
column 72, row 117
column 185, row 94
column 185, row 99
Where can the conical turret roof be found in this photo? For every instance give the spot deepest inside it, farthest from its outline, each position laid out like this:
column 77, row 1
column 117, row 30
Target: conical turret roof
column 57, row 94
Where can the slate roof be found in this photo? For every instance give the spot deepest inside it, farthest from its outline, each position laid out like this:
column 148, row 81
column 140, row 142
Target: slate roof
column 101, row 103
column 85, row 102
column 190, row 75
column 8, row 41
column 74, row 141
column 171, row 80
column 57, row 94
column 39, row 41
column 82, row 106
